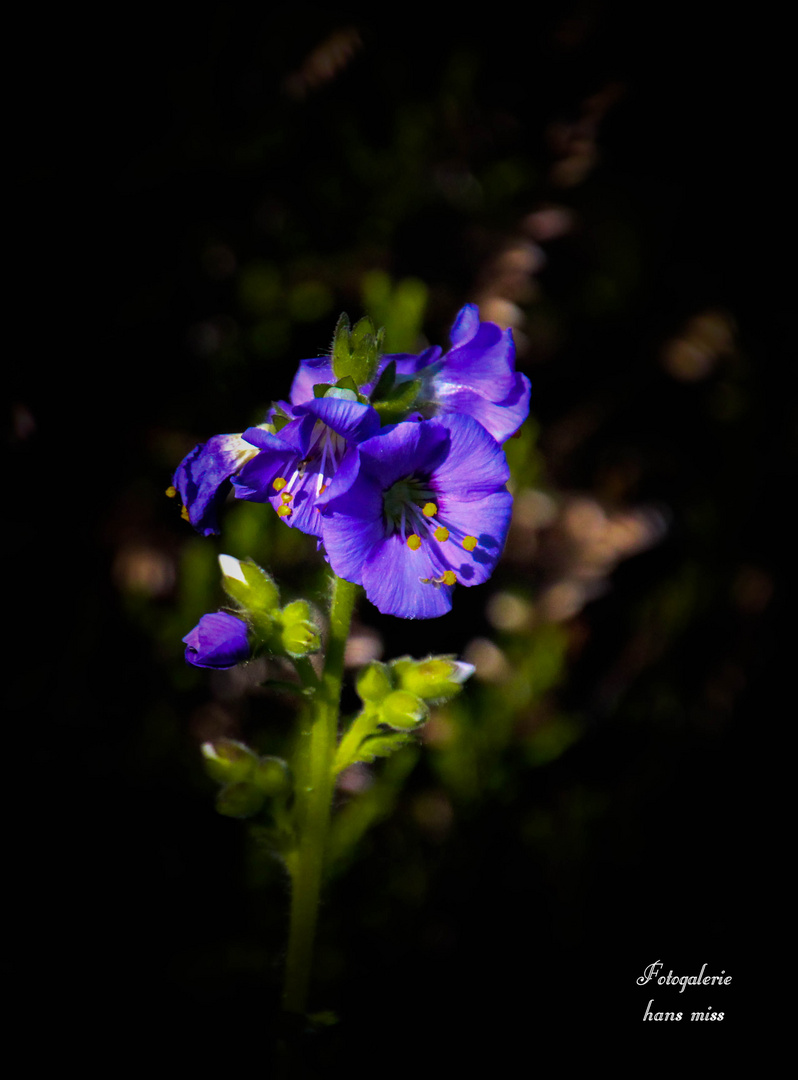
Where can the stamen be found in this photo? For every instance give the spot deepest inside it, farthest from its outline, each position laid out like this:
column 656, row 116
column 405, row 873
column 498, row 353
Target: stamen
column 441, row 533
column 184, row 514
column 448, row 577
column 470, row 542
column 414, row 542
column 287, row 497
column 430, row 509
column 171, row 492
column 283, row 511
column 279, row 483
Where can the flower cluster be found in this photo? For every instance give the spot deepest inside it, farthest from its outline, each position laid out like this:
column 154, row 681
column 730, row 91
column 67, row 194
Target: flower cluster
column 393, row 462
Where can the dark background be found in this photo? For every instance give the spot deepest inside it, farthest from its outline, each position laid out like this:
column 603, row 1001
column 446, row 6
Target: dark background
column 168, row 139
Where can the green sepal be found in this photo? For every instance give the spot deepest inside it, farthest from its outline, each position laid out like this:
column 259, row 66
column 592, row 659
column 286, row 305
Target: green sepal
column 435, row 679
column 382, row 745
column 374, row 682
column 240, row 800
column 279, row 418
column 385, row 383
column 321, row 388
column 228, row 761
column 399, row 402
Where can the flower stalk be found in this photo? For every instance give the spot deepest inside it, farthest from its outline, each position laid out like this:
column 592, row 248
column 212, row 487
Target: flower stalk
column 314, row 768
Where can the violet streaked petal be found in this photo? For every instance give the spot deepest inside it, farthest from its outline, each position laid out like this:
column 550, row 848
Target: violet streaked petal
column 502, row 419
column 486, row 519
column 309, row 374
column 485, row 363
column 353, row 526
column 398, row 580
column 465, row 325
column 475, row 465
column 218, row 640
column 406, row 449
column 353, row 420
column 201, row 478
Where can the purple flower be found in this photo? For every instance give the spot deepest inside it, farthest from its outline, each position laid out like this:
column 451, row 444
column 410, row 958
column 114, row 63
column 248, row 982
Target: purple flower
column 293, row 467
column 416, row 509
column 201, row 478
column 477, row 377
column 217, row 641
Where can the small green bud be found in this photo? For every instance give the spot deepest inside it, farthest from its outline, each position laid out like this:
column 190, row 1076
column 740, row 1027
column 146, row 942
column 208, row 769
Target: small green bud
column 228, row 761
column 248, row 585
column 298, row 636
column 355, row 352
column 239, row 800
column 374, row 682
column 437, row 678
column 403, row 710
column 272, row 776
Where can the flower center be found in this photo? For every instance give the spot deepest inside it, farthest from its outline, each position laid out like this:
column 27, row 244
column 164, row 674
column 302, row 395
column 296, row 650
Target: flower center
column 322, row 459
column 411, row 509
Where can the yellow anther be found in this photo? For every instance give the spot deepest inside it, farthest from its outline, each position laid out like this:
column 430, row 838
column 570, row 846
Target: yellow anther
column 414, row 542
column 430, row 509
column 184, row 514
column 441, row 533
column 287, row 497
column 283, row 511
column 449, row 577
column 171, row 492
column 469, row 542
column 279, row 483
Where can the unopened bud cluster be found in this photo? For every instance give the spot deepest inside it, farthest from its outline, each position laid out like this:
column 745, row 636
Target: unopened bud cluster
column 247, row 780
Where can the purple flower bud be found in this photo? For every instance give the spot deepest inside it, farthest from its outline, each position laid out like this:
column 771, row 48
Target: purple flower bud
column 217, row 641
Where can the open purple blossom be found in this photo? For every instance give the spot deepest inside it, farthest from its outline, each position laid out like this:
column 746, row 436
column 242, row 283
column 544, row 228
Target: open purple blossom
column 218, row 640
column 202, row 479
column 476, row 377
column 415, row 510
column 292, row 468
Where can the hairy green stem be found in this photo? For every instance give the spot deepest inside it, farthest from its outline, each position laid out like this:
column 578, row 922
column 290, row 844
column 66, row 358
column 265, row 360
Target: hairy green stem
column 313, row 767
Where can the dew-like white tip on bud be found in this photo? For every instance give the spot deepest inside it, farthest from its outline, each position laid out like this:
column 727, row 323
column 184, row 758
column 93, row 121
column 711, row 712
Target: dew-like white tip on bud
column 462, row 671
column 207, row 748
column 232, row 568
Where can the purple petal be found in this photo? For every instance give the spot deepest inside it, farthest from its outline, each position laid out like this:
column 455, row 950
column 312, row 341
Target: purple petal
column 502, row 419
column 406, row 449
column 353, row 526
column 201, row 478
column 353, row 420
column 465, row 325
column 488, row 520
column 256, row 480
column 309, row 374
column 219, row 640
column 484, row 363
column 398, row 581
column 475, row 465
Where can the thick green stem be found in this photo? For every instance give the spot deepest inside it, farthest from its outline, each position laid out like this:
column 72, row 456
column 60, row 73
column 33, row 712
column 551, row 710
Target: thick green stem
column 313, row 766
